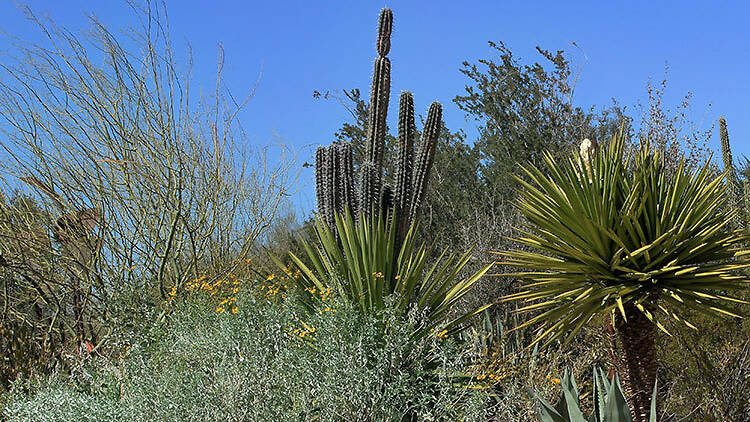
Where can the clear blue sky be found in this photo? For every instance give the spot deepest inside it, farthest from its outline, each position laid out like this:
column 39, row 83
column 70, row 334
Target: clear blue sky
column 302, row 46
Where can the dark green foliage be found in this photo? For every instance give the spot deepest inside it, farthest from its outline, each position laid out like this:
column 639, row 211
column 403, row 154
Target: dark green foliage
column 525, row 110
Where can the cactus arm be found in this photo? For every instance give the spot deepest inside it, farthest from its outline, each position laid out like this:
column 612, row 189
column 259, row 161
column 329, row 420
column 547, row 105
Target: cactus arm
column 406, row 133
column 425, row 156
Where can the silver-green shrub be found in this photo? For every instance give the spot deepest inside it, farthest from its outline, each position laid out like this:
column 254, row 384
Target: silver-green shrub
column 254, row 366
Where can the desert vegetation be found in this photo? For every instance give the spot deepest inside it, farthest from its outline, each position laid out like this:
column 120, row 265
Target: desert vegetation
column 568, row 265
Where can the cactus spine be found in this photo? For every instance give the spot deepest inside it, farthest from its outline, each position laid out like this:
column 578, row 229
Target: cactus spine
column 726, row 155
column 334, row 172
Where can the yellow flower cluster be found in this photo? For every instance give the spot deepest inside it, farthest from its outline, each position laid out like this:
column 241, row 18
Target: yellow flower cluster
column 491, row 377
column 324, row 294
column 277, row 286
column 302, row 333
column 378, row 274
column 226, row 289
column 295, row 275
column 272, row 290
column 171, row 294
column 497, row 367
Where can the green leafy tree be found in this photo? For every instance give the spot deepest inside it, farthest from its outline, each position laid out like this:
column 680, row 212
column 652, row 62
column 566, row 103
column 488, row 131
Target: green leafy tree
column 525, row 111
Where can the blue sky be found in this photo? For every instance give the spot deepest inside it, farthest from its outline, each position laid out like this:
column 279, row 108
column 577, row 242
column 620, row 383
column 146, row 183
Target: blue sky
column 302, row 46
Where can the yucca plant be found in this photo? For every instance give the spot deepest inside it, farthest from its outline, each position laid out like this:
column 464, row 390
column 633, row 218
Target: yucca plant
column 610, row 404
column 361, row 269
column 618, row 236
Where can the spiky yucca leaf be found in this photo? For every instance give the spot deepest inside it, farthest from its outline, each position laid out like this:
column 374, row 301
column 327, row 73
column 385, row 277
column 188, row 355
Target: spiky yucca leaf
column 361, row 269
column 603, row 236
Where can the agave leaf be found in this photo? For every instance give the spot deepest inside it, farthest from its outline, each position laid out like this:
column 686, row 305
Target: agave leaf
column 652, row 414
column 617, row 409
column 545, row 411
column 601, row 386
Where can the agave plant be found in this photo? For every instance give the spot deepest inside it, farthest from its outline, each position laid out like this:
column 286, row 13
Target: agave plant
column 620, row 236
column 610, row 404
column 361, row 269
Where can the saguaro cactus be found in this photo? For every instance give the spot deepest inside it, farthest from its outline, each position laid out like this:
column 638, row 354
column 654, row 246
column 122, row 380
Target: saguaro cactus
column 334, row 164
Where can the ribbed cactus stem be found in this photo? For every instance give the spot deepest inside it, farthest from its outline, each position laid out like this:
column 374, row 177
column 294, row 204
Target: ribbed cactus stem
column 338, row 180
column 726, row 155
column 385, row 26
column 726, row 150
column 379, row 97
column 330, row 194
column 321, row 188
column 386, row 201
column 367, row 196
column 407, row 131
column 425, row 156
column 346, row 165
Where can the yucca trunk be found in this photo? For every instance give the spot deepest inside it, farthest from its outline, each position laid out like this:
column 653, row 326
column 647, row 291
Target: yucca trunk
column 639, row 360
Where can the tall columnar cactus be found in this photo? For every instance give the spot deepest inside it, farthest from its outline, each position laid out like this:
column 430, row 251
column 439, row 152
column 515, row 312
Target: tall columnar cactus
column 726, row 155
column 372, row 177
column 334, row 176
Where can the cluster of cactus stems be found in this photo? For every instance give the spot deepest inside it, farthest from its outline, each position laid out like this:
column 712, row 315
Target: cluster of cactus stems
column 334, row 169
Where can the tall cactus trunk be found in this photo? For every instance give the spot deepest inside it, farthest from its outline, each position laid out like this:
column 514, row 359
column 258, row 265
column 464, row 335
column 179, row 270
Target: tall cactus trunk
column 637, row 334
column 372, row 176
column 425, row 156
column 407, row 131
column 731, row 176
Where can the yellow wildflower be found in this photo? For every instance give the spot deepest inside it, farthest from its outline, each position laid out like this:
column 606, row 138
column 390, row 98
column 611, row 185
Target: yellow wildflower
column 220, row 310
column 234, row 309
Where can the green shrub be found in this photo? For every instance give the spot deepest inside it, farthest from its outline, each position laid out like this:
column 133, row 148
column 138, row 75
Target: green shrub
column 263, row 363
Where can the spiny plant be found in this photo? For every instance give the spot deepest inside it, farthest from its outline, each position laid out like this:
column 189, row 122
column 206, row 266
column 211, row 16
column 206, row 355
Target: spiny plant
column 638, row 245
column 726, row 155
column 361, row 265
column 366, row 251
column 609, row 402
column 334, row 169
